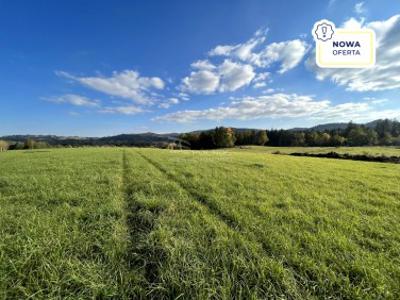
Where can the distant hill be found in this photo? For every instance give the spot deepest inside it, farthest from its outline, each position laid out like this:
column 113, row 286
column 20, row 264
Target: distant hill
column 329, row 126
column 372, row 124
column 41, row 138
column 139, row 139
column 334, row 126
column 234, row 128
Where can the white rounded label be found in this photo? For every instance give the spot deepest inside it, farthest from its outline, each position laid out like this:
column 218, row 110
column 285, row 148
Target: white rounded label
column 343, row 48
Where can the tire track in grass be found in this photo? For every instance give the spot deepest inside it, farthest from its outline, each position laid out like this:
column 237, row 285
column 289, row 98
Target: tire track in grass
column 228, row 220
column 306, row 282
column 231, row 222
column 211, row 207
column 294, row 290
column 141, row 220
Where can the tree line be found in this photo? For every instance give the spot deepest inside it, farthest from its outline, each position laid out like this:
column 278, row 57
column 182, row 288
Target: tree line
column 384, row 132
column 28, row 144
column 224, row 137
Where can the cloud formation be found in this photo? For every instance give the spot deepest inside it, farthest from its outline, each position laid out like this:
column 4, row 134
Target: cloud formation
column 127, row 84
column 279, row 105
column 359, row 8
column 229, row 68
column 208, row 78
column 241, row 64
column 75, row 100
column 259, row 54
column 201, row 82
column 169, row 103
column 124, row 110
column 289, row 54
column 385, row 75
column 244, row 52
column 95, row 105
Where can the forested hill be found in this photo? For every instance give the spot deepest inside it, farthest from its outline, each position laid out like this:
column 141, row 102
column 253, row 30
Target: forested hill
column 378, row 132
column 334, row 126
column 140, row 139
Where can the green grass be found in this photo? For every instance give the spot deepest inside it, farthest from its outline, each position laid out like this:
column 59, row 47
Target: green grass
column 62, row 226
column 148, row 223
column 370, row 150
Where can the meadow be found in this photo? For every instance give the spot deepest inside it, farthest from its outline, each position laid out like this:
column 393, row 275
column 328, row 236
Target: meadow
column 140, row 223
column 372, row 150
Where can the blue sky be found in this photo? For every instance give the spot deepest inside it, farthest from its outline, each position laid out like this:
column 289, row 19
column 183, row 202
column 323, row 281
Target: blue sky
column 94, row 68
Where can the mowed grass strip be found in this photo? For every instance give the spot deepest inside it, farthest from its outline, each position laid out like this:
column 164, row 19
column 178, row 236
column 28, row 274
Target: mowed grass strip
column 62, row 225
column 333, row 224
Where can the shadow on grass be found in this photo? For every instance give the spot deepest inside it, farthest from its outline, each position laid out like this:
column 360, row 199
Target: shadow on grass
column 359, row 157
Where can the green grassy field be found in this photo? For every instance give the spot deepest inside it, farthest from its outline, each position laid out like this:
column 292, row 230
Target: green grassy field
column 373, row 151
column 245, row 224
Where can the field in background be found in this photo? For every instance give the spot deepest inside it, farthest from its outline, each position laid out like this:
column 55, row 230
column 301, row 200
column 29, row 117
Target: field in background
column 373, row 151
column 124, row 223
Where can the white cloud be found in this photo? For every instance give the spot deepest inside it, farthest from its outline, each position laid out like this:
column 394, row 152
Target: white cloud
column 279, row 106
column 203, row 65
column 385, row 75
column 260, row 80
column 259, row 54
column 262, row 76
column 242, row 64
column 359, row 8
column 183, row 96
column 259, row 85
column 353, row 23
column 269, row 91
column 75, row 100
column 245, row 51
column 376, row 101
column 201, row 82
column 126, row 84
column 124, row 110
column 229, row 76
column 78, row 100
column 173, row 100
column 169, row 103
column 289, row 53
column 234, row 75
column 221, row 50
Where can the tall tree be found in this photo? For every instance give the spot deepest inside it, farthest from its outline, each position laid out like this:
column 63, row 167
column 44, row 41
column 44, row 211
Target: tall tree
column 224, row 137
column 337, row 140
column 29, row 144
column 357, row 137
column 261, row 138
column 206, row 140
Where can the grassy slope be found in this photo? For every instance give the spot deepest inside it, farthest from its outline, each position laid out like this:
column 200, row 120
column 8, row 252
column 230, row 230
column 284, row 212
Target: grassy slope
column 153, row 223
